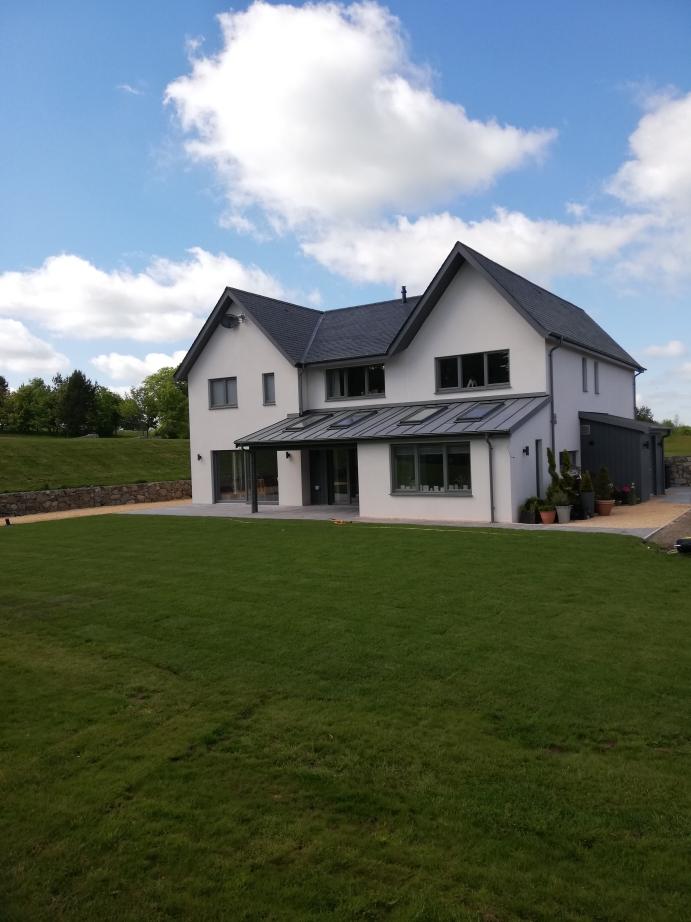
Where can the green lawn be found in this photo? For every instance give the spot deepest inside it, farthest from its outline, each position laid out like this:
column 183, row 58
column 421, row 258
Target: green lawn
column 678, row 445
column 212, row 719
column 41, row 462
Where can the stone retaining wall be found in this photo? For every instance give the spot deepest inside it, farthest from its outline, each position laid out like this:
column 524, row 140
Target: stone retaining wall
column 678, row 472
column 14, row 504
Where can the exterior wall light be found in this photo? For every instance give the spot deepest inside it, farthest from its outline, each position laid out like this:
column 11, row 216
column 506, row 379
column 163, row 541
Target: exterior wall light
column 526, row 450
column 199, row 457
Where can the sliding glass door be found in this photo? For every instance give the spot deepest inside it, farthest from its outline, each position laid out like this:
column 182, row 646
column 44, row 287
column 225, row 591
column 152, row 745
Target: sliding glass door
column 231, row 476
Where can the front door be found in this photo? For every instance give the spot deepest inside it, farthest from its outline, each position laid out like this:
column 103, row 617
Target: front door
column 333, row 476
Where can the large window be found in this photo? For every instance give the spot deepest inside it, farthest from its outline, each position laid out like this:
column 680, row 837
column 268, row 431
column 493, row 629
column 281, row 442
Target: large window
column 431, row 468
column 230, row 480
column 355, row 381
column 223, row 392
column 473, row 369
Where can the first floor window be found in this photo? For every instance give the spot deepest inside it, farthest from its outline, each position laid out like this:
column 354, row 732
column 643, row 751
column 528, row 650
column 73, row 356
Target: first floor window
column 584, row 373
column 355, row 381
column 268, row 388
column 223, row 392
column 473, row 369
column 439, row 468
column 596, row 376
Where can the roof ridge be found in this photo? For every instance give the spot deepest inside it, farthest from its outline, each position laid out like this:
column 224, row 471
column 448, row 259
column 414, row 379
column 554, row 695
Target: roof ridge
column 355, row 307
column 257, row 294
column 303, row 357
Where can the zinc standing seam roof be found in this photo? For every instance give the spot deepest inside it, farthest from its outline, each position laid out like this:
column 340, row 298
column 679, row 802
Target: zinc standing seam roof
column 385, row 423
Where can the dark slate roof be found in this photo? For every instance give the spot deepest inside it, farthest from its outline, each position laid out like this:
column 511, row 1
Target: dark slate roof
column 505, row 414
column 290, row 326
column 309, row 336
column 358, row 332
column 553, row 314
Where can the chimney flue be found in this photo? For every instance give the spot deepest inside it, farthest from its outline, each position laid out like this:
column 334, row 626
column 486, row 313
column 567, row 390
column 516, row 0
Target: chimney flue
column 404, row 294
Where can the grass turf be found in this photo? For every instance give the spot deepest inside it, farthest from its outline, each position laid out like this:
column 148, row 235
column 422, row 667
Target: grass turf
column 678, row 444
column 41, row 462
column 222, row 719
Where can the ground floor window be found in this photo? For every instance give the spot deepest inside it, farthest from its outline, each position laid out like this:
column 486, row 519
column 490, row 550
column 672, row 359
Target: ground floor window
column 438, row 468
column 231, row 476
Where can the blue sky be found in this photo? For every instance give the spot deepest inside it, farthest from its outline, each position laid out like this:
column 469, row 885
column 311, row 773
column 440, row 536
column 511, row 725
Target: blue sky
column 153, row 153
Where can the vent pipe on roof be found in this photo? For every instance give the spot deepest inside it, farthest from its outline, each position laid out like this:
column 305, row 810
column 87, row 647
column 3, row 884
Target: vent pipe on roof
column 404, row 294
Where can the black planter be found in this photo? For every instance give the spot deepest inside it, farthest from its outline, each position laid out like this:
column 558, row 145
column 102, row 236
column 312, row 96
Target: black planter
column 528, row 517
column 588, row 504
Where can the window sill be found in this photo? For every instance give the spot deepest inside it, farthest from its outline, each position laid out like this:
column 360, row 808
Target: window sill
column 472, row 390
column 269, row 403
column 224, row 406
column 455, row 493
column 362, row 397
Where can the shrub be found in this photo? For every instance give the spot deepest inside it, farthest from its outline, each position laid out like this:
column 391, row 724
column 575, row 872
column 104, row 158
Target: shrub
column 586, row 482
column 604, row 488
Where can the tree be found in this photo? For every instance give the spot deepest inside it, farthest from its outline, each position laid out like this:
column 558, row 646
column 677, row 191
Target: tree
column 165, row 400
column 31, row 408
column 77, row 404
column 4, row 397
column 644, row 414
column 130, row 414
column 106, row 412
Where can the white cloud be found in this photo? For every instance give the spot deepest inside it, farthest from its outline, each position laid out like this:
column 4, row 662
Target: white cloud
column 165, row 302
column 128, row 88
column 23, row 353
column 130, row 368
column 673, row 349
column 410, row 252
column 659, row 173
column 318, row 112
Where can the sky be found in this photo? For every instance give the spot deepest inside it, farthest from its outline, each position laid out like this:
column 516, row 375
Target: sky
column 153, row 153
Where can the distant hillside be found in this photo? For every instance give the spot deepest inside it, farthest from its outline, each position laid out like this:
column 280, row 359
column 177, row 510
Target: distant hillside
column 42, row 462
column 678, row 443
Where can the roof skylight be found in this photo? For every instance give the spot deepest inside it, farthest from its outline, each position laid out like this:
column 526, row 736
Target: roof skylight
column 478, row 411
column 306, row 422
column 421, row 415
column 345, row 422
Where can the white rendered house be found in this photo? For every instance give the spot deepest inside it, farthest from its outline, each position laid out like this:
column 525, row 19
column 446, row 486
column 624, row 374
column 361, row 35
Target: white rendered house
column 433, row 407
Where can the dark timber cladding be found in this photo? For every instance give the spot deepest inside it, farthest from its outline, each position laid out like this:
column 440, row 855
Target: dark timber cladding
column 457, row 418
column 632, row 451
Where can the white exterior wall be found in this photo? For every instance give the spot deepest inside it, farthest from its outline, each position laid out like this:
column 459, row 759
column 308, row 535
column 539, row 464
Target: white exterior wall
column 616, row 394
column 469, row 317
column 245, row 353
column 377, row 500
column 524, row 467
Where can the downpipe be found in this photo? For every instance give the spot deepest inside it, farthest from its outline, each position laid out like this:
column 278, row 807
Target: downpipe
column 490, row 455
column 552, row 416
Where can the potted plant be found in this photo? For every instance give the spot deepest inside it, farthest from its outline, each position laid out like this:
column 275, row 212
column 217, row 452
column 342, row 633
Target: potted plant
column 547, row 513
column 562, row 506
column 528, row 512
column 604, row 490
column 587, row 495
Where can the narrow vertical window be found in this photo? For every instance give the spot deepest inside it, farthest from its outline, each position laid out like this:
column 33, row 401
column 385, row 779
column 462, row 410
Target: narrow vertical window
column 596, row 376
column 268, row 388
column 584, row 372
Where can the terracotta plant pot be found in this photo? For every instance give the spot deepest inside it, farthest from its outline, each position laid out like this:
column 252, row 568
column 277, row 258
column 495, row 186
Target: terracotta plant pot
column 604, row 506
column 547, row 516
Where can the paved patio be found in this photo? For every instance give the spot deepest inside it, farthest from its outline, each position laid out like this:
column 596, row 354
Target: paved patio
column 641, row 521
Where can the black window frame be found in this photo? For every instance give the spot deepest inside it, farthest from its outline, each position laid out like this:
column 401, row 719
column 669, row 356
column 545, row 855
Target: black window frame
column 596, row 376
column 345, row 369
column 227, row 405
column 459, row 371
column 266, row 375
column 584, row 373
column 445, row 448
